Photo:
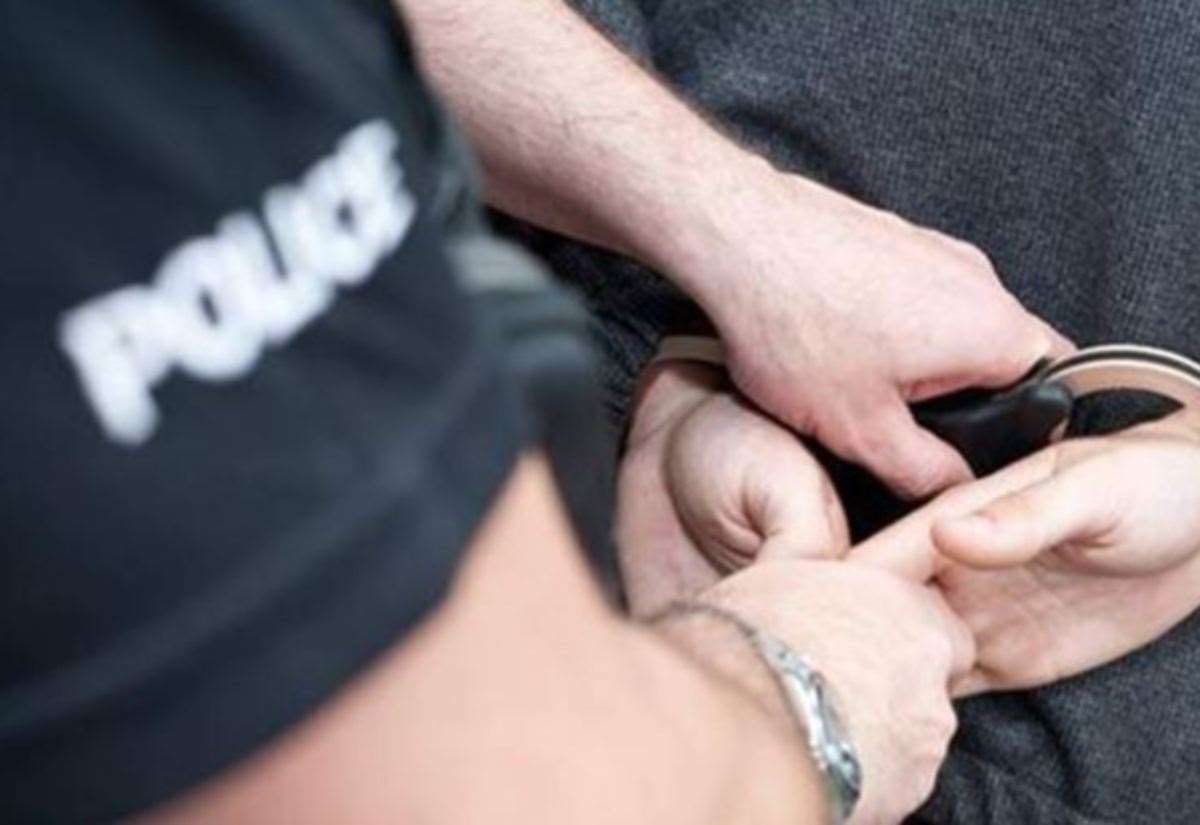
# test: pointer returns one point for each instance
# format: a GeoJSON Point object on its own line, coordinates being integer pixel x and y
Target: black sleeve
{"type": "Point", "coordinates": [630, 305]}
{"type": "Point", "coordinates": [250, 415]}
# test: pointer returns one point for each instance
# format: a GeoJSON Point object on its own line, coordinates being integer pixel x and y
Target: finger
{"type": "Point", "coordinates": [1005, 367]}
{"type": "Point", "coordinates": [911, 461]}
{"type": "Point", "coordinates": [1059, 344]}
{"type": "Point", "coordinates": [963, 651]}
{"type": "Point", "coordinates": [764, 488]}
{"type": "Point", "coordinates": [814, 542]}
{"type": "Point", "coordinates": [820, 543]}
{"type": "Point", "coordinates": [972, 683]}
{"type": "Point", "coordinates": [906, 548]}
{"type": "Point", "coordinates": [910, 555]}
{"type": "Point", "coordinates": [1020, 526]}
{"type": "Point", "coordinates": [998, 369]}
{"type": "Point", "coordinates": [801, 517]}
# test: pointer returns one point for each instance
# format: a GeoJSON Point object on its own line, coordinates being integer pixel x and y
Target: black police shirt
{"type": "Point", "coordinates": [248, 418]}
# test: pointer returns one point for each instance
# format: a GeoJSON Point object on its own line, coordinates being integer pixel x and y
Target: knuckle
{"type": "Point", "coordinates": [872, 439]}
{"type": "Point", "coordinates": [1007, 364]}
{"type": "Point", "coordinates": [839, 429]}
{"type": "Point", "coordinates": [976, 257]}
{"type": "Point", "coordinates": [939, 645]}
{"type": "Point", "coordinates": [945, 724]}
{"type": "Point", "coordinates": [891, 221]}
{"type": "Point", "coordinates": [1034, 346]}
{"type": "Point", "coordinates": [923, 784]}
{"type": "Point", "coordinates": [879, 423]}
{"type": "Point", "coordinates": [976, 261]}
{"type": "Point", "coordinates": [923, 477]}
{"type": "Point", "coordinates": [935, 734]}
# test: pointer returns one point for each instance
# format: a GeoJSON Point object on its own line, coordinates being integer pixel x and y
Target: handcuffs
{"type": "Point", "coordinates": [993, 428]}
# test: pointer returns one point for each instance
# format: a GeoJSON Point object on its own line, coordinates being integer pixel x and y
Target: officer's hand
{"type": "Point", "coordinates": [835, 315]}
{"type": "Point", "coordinates": [888, 646]}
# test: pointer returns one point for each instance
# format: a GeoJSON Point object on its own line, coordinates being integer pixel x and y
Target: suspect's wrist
{"type": "Point", "coordinates": [667, 391]}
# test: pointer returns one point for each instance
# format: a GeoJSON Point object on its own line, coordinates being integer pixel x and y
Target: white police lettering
{"type": "Point", "coordinates": [217, 301]}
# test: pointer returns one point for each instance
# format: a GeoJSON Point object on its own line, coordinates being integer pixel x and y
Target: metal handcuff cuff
{"type": "Point", "coordinates": [993, 428]}
{"type": "Point", "coordinates": [990, 429]}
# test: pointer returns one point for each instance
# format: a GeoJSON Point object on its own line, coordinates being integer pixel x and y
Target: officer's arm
{"type": "Point", "coordinates": [525, 699]}
{"type": "Point", "coordinates": [573, 134]}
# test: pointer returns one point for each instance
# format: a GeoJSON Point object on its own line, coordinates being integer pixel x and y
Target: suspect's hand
{"type": "Point", "coordinates": [1070, 558]}
{"type": "Point", "coordinates": [706, 471]}
{"type": "Point", "coordinates": [706, 482]}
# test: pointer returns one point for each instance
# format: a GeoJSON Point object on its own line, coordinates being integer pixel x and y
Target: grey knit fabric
{"type": "Point", "coordinates": [1064, 139]}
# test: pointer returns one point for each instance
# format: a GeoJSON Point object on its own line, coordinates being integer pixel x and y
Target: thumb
{"type": "Point", "coordinates": [901, 551]}
{"type": "Point", "coordinates": [913, 462]}
{"type": "Point", "coordinates": [1058, 344]}
{"type": "Point", "coordinates": [798, 512]}
{"type": "Point", "coordinates": [1019, 526]}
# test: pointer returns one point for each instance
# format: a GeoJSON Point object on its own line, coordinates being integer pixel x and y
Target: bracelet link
{"type": "Point", "coordinates": [810, 701]}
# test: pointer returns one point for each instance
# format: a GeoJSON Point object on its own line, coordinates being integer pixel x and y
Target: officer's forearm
{"type": "Point", "coordinates": [573, 134]}
{"type": "Point", "coordinates": [529, 700]}
{"type": "Point", "coordinates": [525, 699]}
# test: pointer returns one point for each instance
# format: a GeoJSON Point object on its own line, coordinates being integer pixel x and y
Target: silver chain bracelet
{"type": "Point", "coordinates": [809, 699]}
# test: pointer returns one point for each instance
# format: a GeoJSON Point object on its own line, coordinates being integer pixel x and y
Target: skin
{"type": "Point", "coordinates": [1059, 563]}
{"type": "Point", "coordinates": [1069, 559]}
{"type": "Point", "coordinates": [771, 502]}
{"type": "Point", "coordinates": [705, 482]}
{"type": "Point", "coordinates": [817, 297]}
{"type": "Point", "coordinates": [525, 698]}
{"type": "Point", "coordinates": [890, 681]}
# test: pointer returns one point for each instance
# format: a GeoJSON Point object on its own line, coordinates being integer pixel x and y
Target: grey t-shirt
{"type": "Point", "coordinates": [1064, 140]}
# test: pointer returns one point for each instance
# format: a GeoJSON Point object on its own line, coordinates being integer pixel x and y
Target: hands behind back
{"type": "Point", "coordinates": [836, 315]}
{"type": "Point", "coordinates": [705, 482]}
{"type": "Point", "coordinates": [703, 470]}
{"type": "Point", "coordinates": [1068, 559]}
{"type": "Point", "coordinates": [1060, 563]}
